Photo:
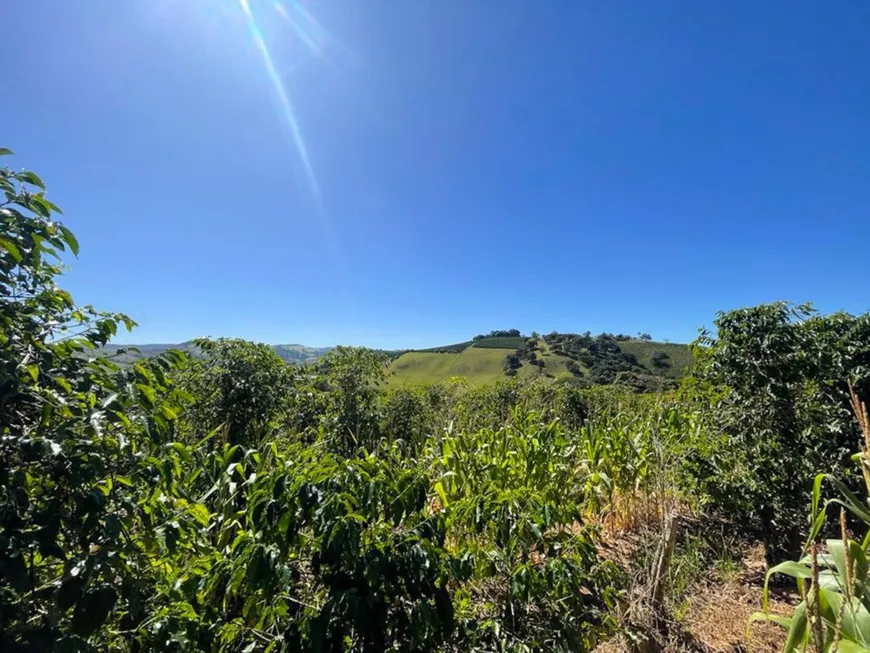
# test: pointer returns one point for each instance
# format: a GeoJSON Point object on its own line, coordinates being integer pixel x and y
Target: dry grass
{"type": "Point", "coordinates": [717, 615]}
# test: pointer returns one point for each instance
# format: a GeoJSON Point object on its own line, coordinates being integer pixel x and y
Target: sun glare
{"type": "Point", "coordinates": [315, 38]}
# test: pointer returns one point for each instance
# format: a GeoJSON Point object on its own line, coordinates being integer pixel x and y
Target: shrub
{"type": "Point", "coordinates": [501, 342]}
{"type": "Point", "coordinates": [407, 417]}
{"type": "Point", "coordinates": [240, 387]}
{"type": "Point", "coordinates": [350, 379]}
{"type": "Point", "coordinates": [777, 373]}
{"type": "Point", "coordinates": [833, 614]}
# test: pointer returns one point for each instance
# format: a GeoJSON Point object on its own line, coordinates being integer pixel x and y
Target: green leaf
{"type": "Point", "coordinates": [10, 247]}
{"type": "Point", "coordinates": [167, 412]}
{"type": "Point", "coordinates": [39, 205]}
{"type": "Point", "coordinates": [70, 240]}
{"type": "Point", "coordinates": [200, 513]}
{"type": "Point", "coordinates": [146, 392]}
{"type": "Point", "coordinates": [5, 151]}
{"type": "Point", "coordinates": [798, 630]}
{"type": "Point", "coordinates": [793, 569]}
{"type": "Point", "coordinates": [785, 622]}
{"type": "Point", "coordinates": [31, 178]}
{"type": "Point", "coordinates": [33, 370]}
{"type": "Point", "coordinates": [439, 488]}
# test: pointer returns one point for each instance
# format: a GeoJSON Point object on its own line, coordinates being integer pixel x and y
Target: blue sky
{"type": "Point", "coordinates": [569, 165]}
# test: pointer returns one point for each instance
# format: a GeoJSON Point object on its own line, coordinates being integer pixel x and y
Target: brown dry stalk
{"type": "Point", "coordinates": [861, 414]}
{"type": "Point", "coordinates": [814, 612]}
{"type": "Point", "coordinates": [847, 583]}
{"type": "Point", "coordinates": [849, 572]}
{"type": "Point", "coordinates": [860, 410]}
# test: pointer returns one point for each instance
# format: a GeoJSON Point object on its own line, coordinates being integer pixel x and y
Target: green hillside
{"type": "Point", "coordinates": [477, 364]}
{"type": "Point", "coordinates": [679, 357]}
{"type": "Point", "coordinates": [482, 362]}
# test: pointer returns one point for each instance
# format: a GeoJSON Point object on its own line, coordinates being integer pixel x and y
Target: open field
{"type": "Point", "coordinates": [478, 365]}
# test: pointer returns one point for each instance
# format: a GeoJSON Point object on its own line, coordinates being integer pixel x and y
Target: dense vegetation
{"type": "Point", "coordinates": [232, 502]}
{"type": "Point", "coordinates": [501, 342]}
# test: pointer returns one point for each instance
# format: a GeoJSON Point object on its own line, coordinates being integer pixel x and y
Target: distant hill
{"type": "Point", "coordinates": [595, 359]}
{"type": "Point", "coordinates": [290, 353]}
{"type": "Point", "coordinates": [500, 355]}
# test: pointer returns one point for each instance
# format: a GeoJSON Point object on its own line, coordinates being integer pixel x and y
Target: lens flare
{"type": "Point", "coordinates": [319, 41]}
{"type": "Point", "coordinates": [283, 98]}
{"type": "Point", "coordinates": [308, 40]}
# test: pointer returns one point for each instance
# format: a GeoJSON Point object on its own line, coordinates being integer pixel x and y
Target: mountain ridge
{"type": "Point", "coordinates": [291, 353]}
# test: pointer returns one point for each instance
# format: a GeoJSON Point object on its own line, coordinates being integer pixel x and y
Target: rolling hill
{"type": "Point", "coordinates": [555, 356]}
{"type": "Point", "coordinates": [290, 353]}
{"type": "Point", "coordinates": [485, 359]}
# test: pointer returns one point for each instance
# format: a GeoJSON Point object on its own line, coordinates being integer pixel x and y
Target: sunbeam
{"type": "Point", "coordinates": [319, 40]}
{"type": "Point", "coordinates": [283, 97]}
{"type": "Point", "coordinates": [309, 42]}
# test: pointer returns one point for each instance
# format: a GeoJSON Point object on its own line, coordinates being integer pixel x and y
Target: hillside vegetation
{"type": "Point", "coordinates": [487, 359]}
{"type": "Point", "coordinates": [231, 502]}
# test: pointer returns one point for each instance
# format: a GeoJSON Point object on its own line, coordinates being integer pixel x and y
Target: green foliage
{"type": "Point", "coordinates": [127, 524]}
{"type": "Point", "coordinates": [501, 342]}
{"type": "Point", "coordinates": [834, 584]}
{"type": "Point", "coordinates": [78, 474]}
{"type": "Point", "coordinates": [499, 333]}
{"type": "Point", "coordinates": [779, 374]}
{"type": "Point", "coordinates": [601, 355]}
{"type": "Point", "coordinates": [409, 416]}
{"type": "Point", "coordinates": [241, 387]}
{"type": "Point", "coordinates": [680, 357]}
{"type": "Point", "coordinates": [351, 380]}
{"type": "Point", "coordinates": [512, 496]}
{"type": "Point", "coordinates": [228, 501]}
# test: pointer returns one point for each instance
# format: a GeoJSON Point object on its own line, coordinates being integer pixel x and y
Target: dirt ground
{"type": "Point", "coordinates": [716, 617]}
{"type": "Point", "coordinates": [719, 613]}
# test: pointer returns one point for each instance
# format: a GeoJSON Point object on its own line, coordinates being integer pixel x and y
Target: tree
{"type": "Point", "coordinates": [241, 387]}
{"type": "Point", "coordinates": [782, 371]}
{"type": "Point", "coordinates": [352, 379]}
{"type": "Point", "coordinates": [76, 428]}
{"type": "Point", "coordinates": [644, 336]}
{"type": "Point", "coordinates": [660, 359]}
